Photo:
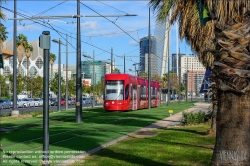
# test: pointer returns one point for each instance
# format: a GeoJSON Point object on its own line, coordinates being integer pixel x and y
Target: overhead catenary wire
{"type": "Point", "coordinates": [50, 8]}
{"type": "Point", "coordinates": [111, 6]}
{"type": "Point", "coordinates": [110, 21]}
{"type": "Point", "coordinates": [51, 27]}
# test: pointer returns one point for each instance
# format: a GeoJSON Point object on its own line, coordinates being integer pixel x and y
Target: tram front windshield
{"type": "Point", "coordinates": [114, 90]}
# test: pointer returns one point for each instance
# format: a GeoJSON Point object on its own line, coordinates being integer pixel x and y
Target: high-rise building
{"type": "Point", "coordinates": [100, 69]}
{"type": "Point", "coordinates": [188, 63]}
{"type": "Point", "coordinates": [162, 30]}
{"type": "Point", "coordinates": [192, 72]}
{"type": "Point", "coordinates": [175, 63]}
{"type": "Point", "coordinates": [144, 54]}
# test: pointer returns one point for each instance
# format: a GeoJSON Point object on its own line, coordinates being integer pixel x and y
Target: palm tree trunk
{"type": "Point", "coordinates": [233, 127]}
{"type": "Point", "coordinates": [1, 46]}
{"type": "Point", "coordinates": [214, 109]}
{"type": "Point", "coordinates": [27, 66]}
{"type": "Point", "coordinates": [19, 68]}
{"type": "Point", "coordinates": [51, 71]}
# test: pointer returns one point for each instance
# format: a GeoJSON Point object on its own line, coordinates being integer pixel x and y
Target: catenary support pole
{"type": "Point", "coordinates": [78, 69]}
{"type": "Point", "coordinates": [93, 101]}
{"type": "Point", "coordinates": [59, 77]}
{"type": "Point", "coordinates": [14, 61]}
{"type": "Point", "coordinates": [67, 79]}
{"type": "Point", "coordinates": [149, 62]}
{"type": "Point", "coordinates": [44, 43]}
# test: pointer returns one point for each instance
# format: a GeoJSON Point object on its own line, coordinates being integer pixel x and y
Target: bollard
{"type": "Point", "coordinates": [170, 112]}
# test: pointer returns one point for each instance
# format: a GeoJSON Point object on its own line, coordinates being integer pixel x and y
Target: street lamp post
{"type": "Point", "coordinates": [59, 74]}
{"type": "Point", "coordinates": [67, 90]}
{"type": "Point", "coordinates": [93, 101]}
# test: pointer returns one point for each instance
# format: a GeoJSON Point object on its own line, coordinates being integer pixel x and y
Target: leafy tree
{"type": "Point", "coordinates": [156, 77]}
{"type": "Point", "coordinates": [21, 83]}
{"type": "Point", "coordinates": [35, 86]}
{"type": "Point", "coordinates": [99, 87]}
{"type": "Point", "coordinates": [72, 86]}
{"type": "Point", "coordinates": [116, 70]}
{"type": "Point", "coordinates": [4, 87]}
{"type": "Point", "coordinates": [54, 84]}
{"type": "Point", "coordinates": [86, 89]}
{"type": "Point", "coordinates": [143, 75]}
{"type": "Point", "coordinates": [183, 88]}
{"type": "Point", "coordinates": [220, 44]}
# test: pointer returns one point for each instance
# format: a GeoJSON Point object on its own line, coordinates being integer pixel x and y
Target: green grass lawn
{"type": "Point", "coordinates": [68, 138]}
{"type": "Point", "coordinates": [178, 146]}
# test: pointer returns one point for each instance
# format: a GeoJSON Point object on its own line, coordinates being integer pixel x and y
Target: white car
{"type": "Point", "coordinates": [26, 102]}
{"type": "Point", "coordinates": [38, 102]}
{"type": "Point", "coordinates": [31, 102]}
{"type": "Point", "coordinates": [20, 103]}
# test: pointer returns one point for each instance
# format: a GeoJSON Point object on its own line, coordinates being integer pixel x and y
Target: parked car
{"type": "Point", "coordinates": [63, 101]}
{"type": "Point", "coordinates": [20, 103]}
{"type": "Point", "coordinates": [38, 102]}
{"type": "Point", "coordinates": [4, 103]}
{"type": "Point", "coordinates": [53, 101]}
{"type": "Point", "coordinates": [31, 102]}
{"type": "Point", "coordinates": [88, 100]}
{"type": "Point", "coordinates": [94, 100]}
{"type": "Point", "coordinates": [71, 101]}
{"type": "Point", "coordinates": [84, 101]}
{"type": "Point", "coordinates": [25, 102]}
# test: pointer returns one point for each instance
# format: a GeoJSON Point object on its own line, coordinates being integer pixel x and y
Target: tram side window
{"type": "Point", "coordinates": [143, 92]}
{"type": "Point", "coordinates": [126, 91]}
{"type": "Point", "coordinates": [139, 91]}
{"type": "Point", "coordinates": [159, 94]}
{"type": "Point", "coordinates": [153, 93]}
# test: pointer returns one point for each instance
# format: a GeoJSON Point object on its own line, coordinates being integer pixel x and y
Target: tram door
{"type": "Point", "coordinates": [134, 98]}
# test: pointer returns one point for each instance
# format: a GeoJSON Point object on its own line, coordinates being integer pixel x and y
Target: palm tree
{"type": "Point", "coordinates": [2, 15]}
{"type": "Point", "coordinates": [28, 50]}
{"type": "Point", "coordinates": [52, 58]}
{"type": "Point", "coordinates": [21, 43]}
{"type": "Point", "coordinates": [3, 37]}
{"type": "Point", "coordinates": [222, 45]}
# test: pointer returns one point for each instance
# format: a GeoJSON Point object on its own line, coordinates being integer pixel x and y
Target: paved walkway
{"type": "Point", "coordinates": [164, 123]}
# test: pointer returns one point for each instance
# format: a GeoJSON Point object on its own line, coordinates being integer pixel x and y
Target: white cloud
{"type": "Point", "coordinates": [90, 25]}
{"type": "Point", "coordinates": [27, 28]}
{"type": "Point", "coordinates": [133, 43]}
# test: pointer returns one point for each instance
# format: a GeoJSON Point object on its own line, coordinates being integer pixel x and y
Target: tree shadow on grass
{"type": "Point", "coordinates": [132, 159]}
{"type": "Point", "coordinates": [189, 131]}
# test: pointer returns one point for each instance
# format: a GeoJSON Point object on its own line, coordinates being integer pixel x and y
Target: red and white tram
{"type": "Point", "coordinates": [125, 92]}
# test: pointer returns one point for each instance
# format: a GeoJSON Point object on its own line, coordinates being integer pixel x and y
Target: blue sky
{"type": "Point", "coordinates": [97, 33]}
